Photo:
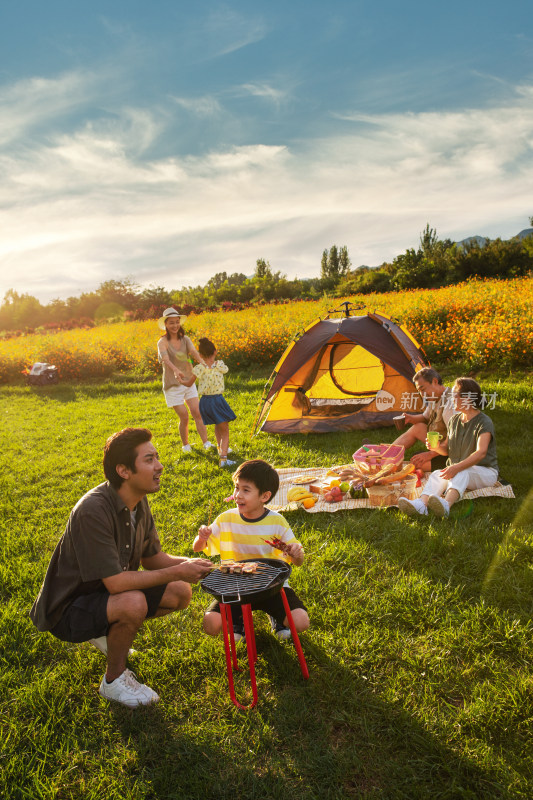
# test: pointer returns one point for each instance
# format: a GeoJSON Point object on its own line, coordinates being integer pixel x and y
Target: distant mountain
{"type": "Point", "coordinates": [524, 234]}
{"type": "Point", "coordinates": [481, 241]}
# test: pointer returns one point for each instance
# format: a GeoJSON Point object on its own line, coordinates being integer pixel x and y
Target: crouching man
{"type": "Point", "coordinates": [93, 590]}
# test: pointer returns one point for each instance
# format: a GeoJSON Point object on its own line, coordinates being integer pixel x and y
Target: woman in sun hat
{"type": "Point", "coordinates": [174, 349]}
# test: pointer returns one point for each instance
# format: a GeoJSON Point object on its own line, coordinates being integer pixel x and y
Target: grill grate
{"type": "Point", "coordinates": [228, 588]}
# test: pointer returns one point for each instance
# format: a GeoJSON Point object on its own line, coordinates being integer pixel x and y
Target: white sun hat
{"type": "Point", "coordinates": [167, 313]}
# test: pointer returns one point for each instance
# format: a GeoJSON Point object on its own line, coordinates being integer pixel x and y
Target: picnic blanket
{"type": "Point", "coordinates": [285, 482]}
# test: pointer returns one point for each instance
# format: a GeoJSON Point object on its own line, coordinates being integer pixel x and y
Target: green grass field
{"type": "Point", "coordinates": [420, 650]}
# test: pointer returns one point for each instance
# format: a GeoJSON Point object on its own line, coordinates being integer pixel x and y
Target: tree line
{"type": "Point", "coordinates": [441, 262]}
{"type": "Point", "coordinates": [434, 263]}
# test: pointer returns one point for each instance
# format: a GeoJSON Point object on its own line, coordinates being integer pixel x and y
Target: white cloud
{"type": "Point", "coordinates": [227, 31]}
{"type": "Point", "coordinates": [264, 90]}
{"type": "Point", "coordinates": [33, 102]}
{"type": "Point", "coordinates": [86, 207]}
{"type": "Point", "coordinates": [207, 106]}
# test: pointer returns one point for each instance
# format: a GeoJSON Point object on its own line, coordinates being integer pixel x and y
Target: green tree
{"type": "Point", "coordinates": [366, 280]}
{"type": "Point", "coordinates": [217, 280]}
{"type": "Point", "coordinates": [237, 279]}
{"type": "Point", "coordinates": [497, 258]}
{"type": "Point", "coordinates": [20, 311]}
{"type": "Point", "coordinates": [426, 267]}
{"type": "Point", "coordinates": [124, 292]}
{"type": "Point", "coordinates": [57, 311]}
{"type": "Point", "coordinates": [154, 296]}
{"type": "Point", "coordinates": [263, 270]}
{"type": "Point", "coordinates": [324, 265]}
{"type": "Point", "coordinates": [334, 264]}
{"type": "Point", "coordinates": [344, 261]}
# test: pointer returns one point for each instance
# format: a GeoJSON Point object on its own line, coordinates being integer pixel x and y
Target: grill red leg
{"type": "Point", "coordinates": [250, 633]}
{"type": "Point", "coordinates": [229, 650]}
{"type": "Point", "coordinates": [229, 618]}
{"type": "Point", "coordinates": [251, 648]}
{"type": "Point", "coordinates": [295, 638]}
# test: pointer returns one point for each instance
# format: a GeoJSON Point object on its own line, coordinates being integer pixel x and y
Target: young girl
{"type": "Point", "coordinates": [174, 349]}
{"type": "Point", "coordinates": [213, 408]}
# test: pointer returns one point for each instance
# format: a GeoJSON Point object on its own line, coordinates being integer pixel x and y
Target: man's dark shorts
{"type": "Point", "coordinates": [86, 617]}
{"type": "Point", "coordinates": [272, 605]}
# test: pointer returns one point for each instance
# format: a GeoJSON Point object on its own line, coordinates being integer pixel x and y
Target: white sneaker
{"type": "Point", "coordinates": [439, 506]}
{"type": "Point", "coordinates": [127, 690]}
{"type": "Point", "coordinates": [412, 507]}
{"type": "Point", "coordinates": [101, 644]}
{"type": "Point", "coordinates": [186, 448]}
{"type": "Point", "coordinates": [238, 632]}
{"type": "Point", "coordinates": [208, 445]}
{"type": "Point", "coordinates": [279, 629]}
{"type": "Point", "coordinates": [227, 462]}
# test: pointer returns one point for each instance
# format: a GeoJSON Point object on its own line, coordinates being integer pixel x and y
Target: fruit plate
{"type": "Point", "coordinates": [303, 480]}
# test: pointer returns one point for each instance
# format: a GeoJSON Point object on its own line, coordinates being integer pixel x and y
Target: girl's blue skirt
{"type": "Point", "coordinates": [215, 409]}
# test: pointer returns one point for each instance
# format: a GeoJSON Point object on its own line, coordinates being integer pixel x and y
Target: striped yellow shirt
{"type": "Point", "coordinates": [236, 538]}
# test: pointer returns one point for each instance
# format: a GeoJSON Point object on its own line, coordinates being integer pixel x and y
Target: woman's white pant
{"type": "Point", "coordinates": [471, 478]}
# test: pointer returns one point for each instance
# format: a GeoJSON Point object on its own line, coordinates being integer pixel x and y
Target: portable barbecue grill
{"type": "Point", "coordinates": [247, 587]}
{"type": "Point", "coordinates": [243, 589]}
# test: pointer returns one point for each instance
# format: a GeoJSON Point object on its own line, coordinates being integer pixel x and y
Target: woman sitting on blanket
{"type": "Point", "coordinates": [471, 451]}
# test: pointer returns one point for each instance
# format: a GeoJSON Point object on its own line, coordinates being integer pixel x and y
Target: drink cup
{"type": "Point", "coordinates": [399, 422]}
{"type": "Point", "coordinates": [434, 438]}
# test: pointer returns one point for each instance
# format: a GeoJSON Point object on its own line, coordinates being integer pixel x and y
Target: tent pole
{"type": "Point", "coordinates": [258, 413]}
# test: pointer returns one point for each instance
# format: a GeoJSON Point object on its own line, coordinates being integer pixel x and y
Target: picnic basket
{"type": "Point", "coordinates": [371, 458]}
{"type": "Point", "coordinates": [389, 494]}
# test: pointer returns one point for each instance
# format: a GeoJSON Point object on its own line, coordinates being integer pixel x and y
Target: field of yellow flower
{"type": "Point", "coordinates": [478, 323]}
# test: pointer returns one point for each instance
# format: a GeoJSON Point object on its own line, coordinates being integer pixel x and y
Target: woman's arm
{"type": "Point", "coordinates": [470, 461]}
{"type": "Point", "coordinates": [411, 419]}
{"type": "Point", "coordinates": [192, 351]}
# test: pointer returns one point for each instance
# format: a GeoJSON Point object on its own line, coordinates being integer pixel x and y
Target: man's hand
{"type": "Point", "coordinates": [419, 459]}
{"type": "Point", "coordinates": [193, 570]}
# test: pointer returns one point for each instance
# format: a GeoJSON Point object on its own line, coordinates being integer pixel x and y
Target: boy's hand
{"type": "Point", "coordinates": [204, 532]}
{"type": "Point", "coordinates": [296, 552]}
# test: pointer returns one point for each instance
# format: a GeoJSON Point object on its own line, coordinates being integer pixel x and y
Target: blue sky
{"type": "Point", "coordinates": [168, 141]}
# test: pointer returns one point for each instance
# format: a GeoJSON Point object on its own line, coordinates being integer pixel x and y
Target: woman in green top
{"type": "Point", "coordinates": [471, 451]}
{"type": "Point", "coordinates": [174, 350]}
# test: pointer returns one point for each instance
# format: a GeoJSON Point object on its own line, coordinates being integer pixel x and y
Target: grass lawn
{"type": "Point", "coordinates": [420, 650]}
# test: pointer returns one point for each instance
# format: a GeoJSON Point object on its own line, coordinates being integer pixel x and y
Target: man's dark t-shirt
{"type": "Point", "coordinates": [97, 543]}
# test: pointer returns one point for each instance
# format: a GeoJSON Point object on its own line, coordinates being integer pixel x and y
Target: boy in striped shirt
{"type": "Point", "coordinates": [239, 534]}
